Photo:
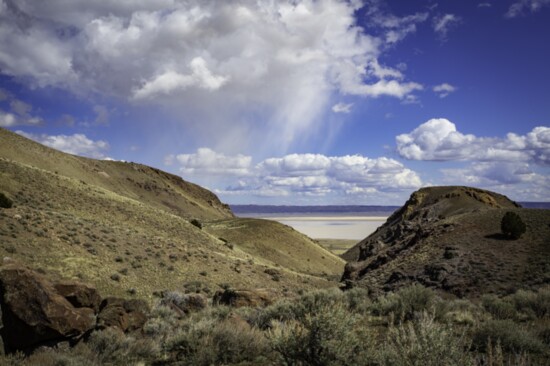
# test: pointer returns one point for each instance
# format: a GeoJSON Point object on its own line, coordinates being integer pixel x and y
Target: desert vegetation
{"type": "Point", "coordinates": [512, 225]}
{"type": "Point", "coordinates": [412, 326]}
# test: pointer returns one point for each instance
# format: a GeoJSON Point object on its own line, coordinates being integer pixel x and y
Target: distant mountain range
{"type": "Point", "coordinates": [338, 209]}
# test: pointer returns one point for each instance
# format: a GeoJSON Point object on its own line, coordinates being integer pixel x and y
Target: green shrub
{"type": "Point", "coordinates": [510, 335]}
{"type": "Point", "coordinates": [329, 336]}
{"type": "Point", "coordinates": [5, 202]}
{"type": "Point", "coordinates": [512, 225]}
{"type": "Point", "coordinates": [498, 308]}
{"type": "Point", "coordinates": [424, 342]}
{"type": "Point", "coordinates": [209, 342]}
{"type": "Point", "coordinates": [531, 303]}
{"type": "Point", "coordinates": [406, 302]}
{"type": "Point", "coordinates": [196, 223]}
{"type": "Point", "coordinates": [113, 347]}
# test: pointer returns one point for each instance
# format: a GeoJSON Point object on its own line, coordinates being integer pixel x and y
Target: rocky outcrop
{"type": "Point", "coordinates": [184, 304]}
{"type": "Point", "coordinates": [240, 298]}
{"type": "Point", "coordinates": [410, 246]}
{"type": "Point", "coordinates": [34, 312]}
{"type": "Point", "coordinates": [125, 315]}
{"type": "Point", "coordinates": [37, 311]}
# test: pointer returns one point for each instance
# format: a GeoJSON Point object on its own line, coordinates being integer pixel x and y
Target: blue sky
{"type": "Point", "coordinates": [290, 102]}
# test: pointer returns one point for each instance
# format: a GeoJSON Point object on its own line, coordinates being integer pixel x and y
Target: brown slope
{"type": "Point", "coordinates": [448, 238]}
{"type": "Point", "coordinates": [104, 228]}
{"type": "Point", "coordinates": [135, 181]}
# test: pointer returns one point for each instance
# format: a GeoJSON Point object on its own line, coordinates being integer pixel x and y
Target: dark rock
{"type": "Point", "coordinates": [79, 294]}
{"type": "Point", "coordinates": [34, 313]}
{"type": "Point", "coordinates": [240, 298]}
{"type": "Point", "coordinates": [125, 315]}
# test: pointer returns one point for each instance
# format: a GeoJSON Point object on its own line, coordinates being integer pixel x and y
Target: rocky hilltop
{"type": "Point", "coordinates": [449, 238]}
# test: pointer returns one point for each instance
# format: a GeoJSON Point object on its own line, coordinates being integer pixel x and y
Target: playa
{"type": "Point", "coordinates": [333, 227]}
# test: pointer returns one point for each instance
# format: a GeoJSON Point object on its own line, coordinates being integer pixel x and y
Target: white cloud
{"type": "Point", "coordinates": [515, 179]}
{"type": "Point", "coordinates": [443, 90]}
{"type": "Point", "coordinates": [342, 107]}
{"type": "Point", "coordinates": [77, 144]}
{"type": "Point", "coordinates": [520, 7]}
{"type": "Point", "coordinates": [20, 112]}
{"type": "Point", "coordinates": [210, 61]}
{"type": "Point", "coordinates": [442, 24]}
{"type": "Point", "coordinates": [170, 81]}
{"type": "Point", "coordinates": [300, 174]}
{"type": "Point", "coordinates": [208, 162]}
{"type": "Point", "coordinates": [7, 119]}
{"type": "Point", "coordinates": [484, 5]}
{"type": "Point", "coordinates": [438, 139]}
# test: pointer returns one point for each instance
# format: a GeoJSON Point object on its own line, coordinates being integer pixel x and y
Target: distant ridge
{"type": "Point", "coordinates": [270, 209]}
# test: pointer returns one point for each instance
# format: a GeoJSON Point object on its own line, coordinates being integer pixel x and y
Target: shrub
{"type": "Point", "coordinates": [532, 303]}
{"type": "Point", "coordinates": [406, 302]}
{"type": "Point", "coordinates": [196, 223]}
{"type": "Point", "coordinates": [424, 342]}
{"type": "Point", "coordinates": [5, 202]}
{"type": "Point", "coordinates": [329, 336]}
{"type": "Point", "coordinates": [498, 308]}
{"type": "Point", "coordinates": [208, 342]}
{"type": "Point", "coordinates": [511, 337]}
{"type": "Point", "coordinates": [512, 225]}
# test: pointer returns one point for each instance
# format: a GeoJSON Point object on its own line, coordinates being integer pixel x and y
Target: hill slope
{"type": "Point", "coordinates": [449, 238]}
{"type": "Point", "coordinates": [125, 227]}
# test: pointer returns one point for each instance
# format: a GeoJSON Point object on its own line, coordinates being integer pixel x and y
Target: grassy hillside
{"type": "Point", "coordinates": [277, 244]}
{"type": "Point", "coordinates": [126, 228]}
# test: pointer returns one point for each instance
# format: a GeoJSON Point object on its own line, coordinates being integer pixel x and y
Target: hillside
{"type": "Point", "coordinates": [126, 228]}
{"type": "Point", "coordinates": [449, 238]}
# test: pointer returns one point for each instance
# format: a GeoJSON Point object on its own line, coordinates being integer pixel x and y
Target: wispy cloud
{"type": "Point", "coordinates": [442, 24]}
{"type": "Point", "coordinates": [20, 113]}
{"type": "Point", "coordinates": [342, 107]}
{"type": "Point", "coordinates": [521, 7]}
{"type": "Point", "coordinates": [443, 90]}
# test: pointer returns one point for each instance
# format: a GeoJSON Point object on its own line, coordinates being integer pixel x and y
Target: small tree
{"type": "Point", "coordinates": [5, 202]}
{"type": "Point", "coordinates": [512, 225]}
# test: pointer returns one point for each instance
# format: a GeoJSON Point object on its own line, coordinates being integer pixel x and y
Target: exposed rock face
{"type": "Point", "coordinates": [240, 298]}
{"type": "Point", "coordinates": [34, 312]}
{"type": "Point", "coordinates": [126, 315]}
{"type": "Point", "coordinates": [407, 247]}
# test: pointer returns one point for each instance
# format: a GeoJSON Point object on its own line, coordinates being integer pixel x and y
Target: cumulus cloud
{"type": "Point", "coordinates": [206, 161]}
{"type": "Point", "coordinates": [515, 179]}
{"type": "Point", "coordinates": [301, 174]}
{"type": "Point", "coordinates": [443, 90]}
{"type": "Point", "coordinates": [442, 24]}
{"type": "Point", "coordinates": [521, 7]}
{"type": "Point", "coordinates": [438, 139]}
{"type": "Point", "coordinates": [77, 144]}
{"type": "Point", "coordinates": [280, 62]}
{"type": "Point", "coordinates": [342, 107]}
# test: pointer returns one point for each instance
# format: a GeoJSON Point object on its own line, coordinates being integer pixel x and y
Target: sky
{"type": "Point", "coordinates": [303, 102]}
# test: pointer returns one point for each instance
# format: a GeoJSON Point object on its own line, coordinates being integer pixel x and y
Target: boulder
{"type": "Point", "coordinates": [34, 313]}
{"type": "Point", "coordinates": [79, 294]}
{"type": "Point", "coordinates": [125, 315]}
{"type": "Point", "coordinates": [240, 298]}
